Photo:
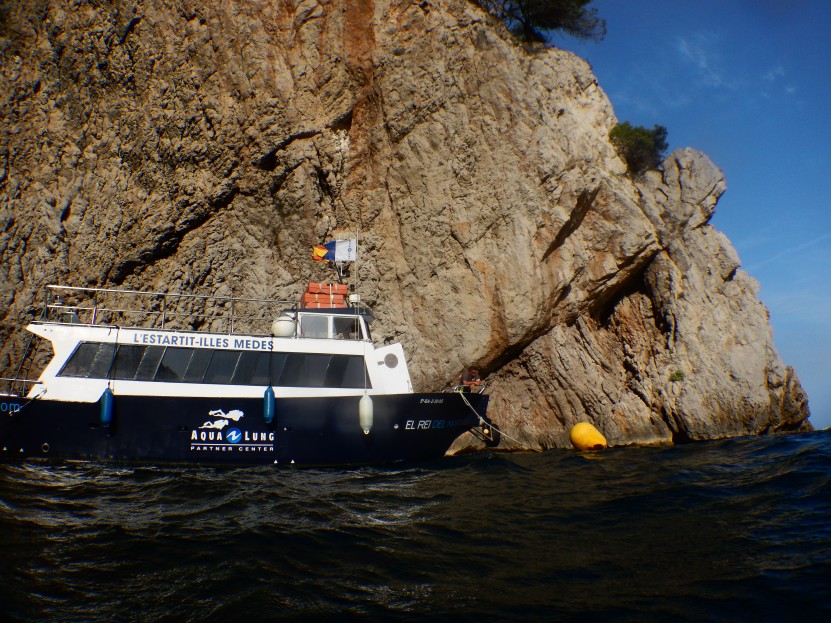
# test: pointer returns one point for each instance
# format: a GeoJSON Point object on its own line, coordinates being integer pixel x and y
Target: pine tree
{"type": "Point", "coordinates": [531, 19]}
{"type": "Point", "coordinates": [640, 148]}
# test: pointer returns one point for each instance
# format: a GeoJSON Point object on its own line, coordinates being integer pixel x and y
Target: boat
{"type": "Point", "coordinates": [154, 377]}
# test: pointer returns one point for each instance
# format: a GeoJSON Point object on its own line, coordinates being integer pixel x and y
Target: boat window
{"type": "Point", "coordinates": [314, 326]}
{"type": "Point", "coordinates": [354, 375]}
{"type": "Point", "coordinates": [314, 371]}
{"type": "Point", "coordinates": [261, 374]}
{"type": "Point", "coordinates": [147, 368]}
{"type": "Point", "coordinates": [346, 371]}
{"type": "Point", "coordinates": [204, 365]}
{"type": "Point", "coordinates": [80, 361]}
{"type": "Point", "coordinates": [292, 370]}
{"type": "Point", "coordinates": [334, 371]}
{"type": "Point", "coordinates": [174, 364]}
{"type": "Point", "coordinates": [103, 361]}
{"type": "Point", "coordinates": [347, 328]}
{"type": "Point", "coordinates": [278, 362]}
{"type": "Point", "coordinates": [304, 370]}
{"type": "Point", "coordinates": [222, 367]}
{"type": "Point", "coordinates": [323, 370]}
{"type": "Point", "coordinates": [90, 360]}
{"type": "Point", "coordinates": [198, 365]}
{"type": "Point", "coordinates": [127, 361]}
{"type": "Point", "coordinates": [249, 361]}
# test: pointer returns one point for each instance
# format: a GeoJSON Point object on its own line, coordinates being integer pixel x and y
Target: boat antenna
{"type": "Point", "coordinates": [358, 257]}
{"type": "Point", "coordinates": [365, 406]}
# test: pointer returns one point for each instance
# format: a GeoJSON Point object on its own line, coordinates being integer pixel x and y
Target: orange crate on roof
{"type": "Point", "coordinates": [317, 305]}
{"type": "Point", "coordinates": [327, 288]}
{"type": "Point", "coordinates": [330, 299]}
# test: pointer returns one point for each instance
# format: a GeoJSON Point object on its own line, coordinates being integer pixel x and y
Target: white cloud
{"type": "Point", "coordinates": [775, 73]}
{"type": "Point", "coordinates": [777, 77]}
{"type": "Point", "coordinates": [699, 51]}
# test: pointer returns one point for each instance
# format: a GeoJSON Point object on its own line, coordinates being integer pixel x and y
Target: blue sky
{"type": "Point", "coordinates": [746, 82]}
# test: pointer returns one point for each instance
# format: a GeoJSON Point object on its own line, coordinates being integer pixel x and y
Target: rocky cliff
{"type": "Point", "coordinates": [207, 146]}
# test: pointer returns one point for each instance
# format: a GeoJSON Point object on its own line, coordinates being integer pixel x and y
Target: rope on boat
{"type": "Point", "coordinates": [30, 400]}
{"type": "Point", "coordinates": [483, 421]}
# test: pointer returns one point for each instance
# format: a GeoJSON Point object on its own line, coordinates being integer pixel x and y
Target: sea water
{"type": "Point", "coordinates": [733, 530]}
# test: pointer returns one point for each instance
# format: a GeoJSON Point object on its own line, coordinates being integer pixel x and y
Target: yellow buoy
{"type": "Point", "coordinates": [584, 436]}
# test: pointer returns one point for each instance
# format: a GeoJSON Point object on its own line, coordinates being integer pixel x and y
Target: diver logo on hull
{"type": "Point", "coordinates": [212, 435]}
{"type": "Point", "coordinates": [223, 418]}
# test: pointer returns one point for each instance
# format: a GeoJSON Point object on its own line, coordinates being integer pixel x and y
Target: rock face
{"type": "Point", "coordinates": [206, 147]}
{"type": "Point", "coordinates": [683, 352]}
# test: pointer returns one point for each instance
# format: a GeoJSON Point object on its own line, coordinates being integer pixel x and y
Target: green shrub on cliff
{"type": "Point", "coordinates": [640, 148]}
{"type": "Point", "coordinates": [678, 375]}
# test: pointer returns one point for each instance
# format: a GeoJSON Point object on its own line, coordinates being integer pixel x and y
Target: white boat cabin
{"type": "Point", "coordinates": [302, 352]}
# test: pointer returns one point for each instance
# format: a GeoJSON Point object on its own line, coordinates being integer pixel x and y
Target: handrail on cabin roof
{"type": "Point", "coordinates": [171, 294]}
{"type": "Point", "coordinates": [125, 304]}
{"type": "Point", "coordinates": [215, 310]}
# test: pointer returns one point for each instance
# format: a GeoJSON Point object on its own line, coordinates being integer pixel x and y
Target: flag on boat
{"type": "Point", "coordinates": [336, 251]}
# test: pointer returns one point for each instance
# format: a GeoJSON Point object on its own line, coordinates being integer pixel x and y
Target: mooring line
{"type": "Point", "coordinates": [484, 421]}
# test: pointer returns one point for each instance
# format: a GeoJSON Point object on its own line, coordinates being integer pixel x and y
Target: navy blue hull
{"type": "Point", "coordinates": [304, 431]}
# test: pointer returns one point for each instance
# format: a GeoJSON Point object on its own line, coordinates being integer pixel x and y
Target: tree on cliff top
{"type": "Point", "coordinates": [642, 149]}
{"type": "Point", "coordinates": [530, 19]}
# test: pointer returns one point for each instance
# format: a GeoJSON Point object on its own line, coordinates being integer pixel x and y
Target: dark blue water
{"type": "Point", "coordinates": [734, 530]}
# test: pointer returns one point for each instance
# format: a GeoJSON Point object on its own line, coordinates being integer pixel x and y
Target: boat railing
{"type": "Point", "coordinates": [16, 387]}
{"type": "Point", "coordinates": [162, 310]}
